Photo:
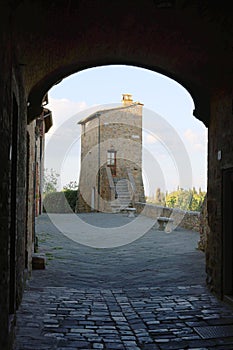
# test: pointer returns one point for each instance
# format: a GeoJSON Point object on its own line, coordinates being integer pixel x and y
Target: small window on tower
{"type": "Point", "coordinates": [111, 161]}
{"type": "Point", "coordinates": [111, 157]}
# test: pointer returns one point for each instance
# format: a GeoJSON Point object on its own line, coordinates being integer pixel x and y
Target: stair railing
{"type": "Point", "coordinates": [111, 184]}
{"type": "Point", "coordinates": [132, 188]}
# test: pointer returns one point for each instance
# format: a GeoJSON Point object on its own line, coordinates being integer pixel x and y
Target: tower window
{"type": "Point", "coordinates": [111, 161]}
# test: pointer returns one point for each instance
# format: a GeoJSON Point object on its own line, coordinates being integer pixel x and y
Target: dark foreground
{"type": "Point", "coordinates": [149, 294]}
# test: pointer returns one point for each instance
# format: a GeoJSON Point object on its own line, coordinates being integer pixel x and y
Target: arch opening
{"type": "Point", "coordinates": [63, 129]}
{"type": "Point", "coordinates": [39, 91]}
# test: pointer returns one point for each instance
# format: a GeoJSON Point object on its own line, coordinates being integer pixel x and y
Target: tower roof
{"type": "Point", "coordinates": [127, 102]}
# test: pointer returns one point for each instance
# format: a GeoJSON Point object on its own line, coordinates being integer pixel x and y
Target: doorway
{"type": "Point", "coordinates": [228, 232]}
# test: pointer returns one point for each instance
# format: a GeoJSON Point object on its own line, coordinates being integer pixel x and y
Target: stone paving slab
{"type": "Point", "coordinates": [149, 294]}
{"type": "Point", "coordinates": [142, 318]}
{"type": "Point", "coordinates": [155, 259]}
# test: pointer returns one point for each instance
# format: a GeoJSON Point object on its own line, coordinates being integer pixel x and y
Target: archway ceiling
{"type": "Point", "coordinates": [190, 41]}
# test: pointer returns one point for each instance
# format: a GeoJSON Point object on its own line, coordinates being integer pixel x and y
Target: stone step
{"type": "Point", "coordinates": [120, 202]}
{"type": "Point", "coordinates": [123, 199]}
{"type": "Point", "coordinates": [122, 188]}
{"type": "Point", "coordinates": [123, 195]}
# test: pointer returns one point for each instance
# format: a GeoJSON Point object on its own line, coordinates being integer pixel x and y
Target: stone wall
{"type": "Point", "coordinates": [219, 159]}
{"type": "Point", "coordinates": [21, 200]}
{"type": "Point", "coordinates": [34, 180]}
{"type": "Point", "coordinates": [105, 191]}
{"type": "Point", "coordinates": [16, 182]}
{"type": "Point", "coordinates": [12, 187]}
{"type": "Point", "coordinates": [204, 227]}
{"type": "Point", "coordinates": [189, 220]}
{"type": "Point", "coordinates": [82, 206]}
{"type": "Point", "coordinates": [30, 193]}
{"type": "Point", "coordinates": [5, 144]}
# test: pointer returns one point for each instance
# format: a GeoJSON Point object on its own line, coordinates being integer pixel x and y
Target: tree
{"type": "Point", "coordinates": [171, 201]}
{"type": "Point", "coordinates": [185, 199]}
{"type": "Point", "coordinates": [158, 197]}
{"type": "Point", "coordinates": [72, 185]}
{"type": "Point", "coordinates": [50, 181]}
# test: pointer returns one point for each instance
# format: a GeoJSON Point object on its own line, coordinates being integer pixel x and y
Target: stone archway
{"type": "Point", "coordinates": [63, 40]}
{"type": "Point", "coordinates": [190, 42]}
{"type": "Point", "coordinates": [187, 42]}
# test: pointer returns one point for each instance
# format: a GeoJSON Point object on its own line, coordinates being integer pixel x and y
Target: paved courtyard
{"type": "Point", "coordinates": [147, 294]}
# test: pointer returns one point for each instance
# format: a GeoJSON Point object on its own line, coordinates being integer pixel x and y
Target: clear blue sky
{"type": "Point", "coordinates": [159, 94]}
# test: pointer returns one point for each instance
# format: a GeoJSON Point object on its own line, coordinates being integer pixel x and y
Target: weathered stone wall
{"type": "Point", "coordinates": [13, 154]}
{"type": "Point", "coordinates": [12, 190]}
{"type": "Point", "coordinates": [34, 181]}
{"type": "Point", "coordinates": [189, 220]}
{"type": "Point", "coordinates": [105, 189]}
{"type": "Point", "coordinates": [220, 139]}
{"type": "Point", "coordinates": [204, 226]}
{"type": "Point", "coordinates": [5, 144]}
{"type": "Point", "coordinates": [82, 206]}
{"type": "Point", "coordinates": [119, 129]}
{"type": "Point", "coordinates": [21, 187]}
{"type": "Point", "coordinates": [30, 193]}
{"type": "Point", "coordinates": [60, 202]}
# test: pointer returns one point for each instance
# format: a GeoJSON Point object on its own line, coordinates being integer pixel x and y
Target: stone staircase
{"type": "Point", "coordinates": [123, 199]}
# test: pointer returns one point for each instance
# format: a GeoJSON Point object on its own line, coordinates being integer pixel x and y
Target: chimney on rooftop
{"type": "Point", "coordinates": [127, 99]}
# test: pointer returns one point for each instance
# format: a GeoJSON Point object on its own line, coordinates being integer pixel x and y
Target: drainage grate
{"type": "Point", "coordinates": [214, 331]}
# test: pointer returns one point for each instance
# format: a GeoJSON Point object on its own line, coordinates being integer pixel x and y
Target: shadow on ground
{"type": "Point", "coordinates": [156, 259]}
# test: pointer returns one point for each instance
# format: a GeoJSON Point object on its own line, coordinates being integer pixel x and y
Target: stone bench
{"type": "Point", "coordinates": [163, 221]}
{"type": "Point", "coordinates": [130, 212]}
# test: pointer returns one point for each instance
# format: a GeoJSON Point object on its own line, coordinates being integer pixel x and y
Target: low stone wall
{"type": "Point", "coordinates": [60, 202]}
{"type": "Point", "coordinates": [204, 226]}
{"type": "Point", "coordinates": [81, 205]}
{"type": "Point", "coordinates": [189, 220]}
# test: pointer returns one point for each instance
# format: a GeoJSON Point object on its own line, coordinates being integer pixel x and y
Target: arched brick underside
{"type": "Point", "coordinates": [199, 95]}
{"type": "Point", "coordinates": [185, 40]}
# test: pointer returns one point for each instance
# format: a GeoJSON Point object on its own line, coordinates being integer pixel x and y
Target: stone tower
{"type": "Point", "coordinates": [111, 158]}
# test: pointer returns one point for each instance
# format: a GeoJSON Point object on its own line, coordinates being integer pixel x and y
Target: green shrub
{"type": "Point", "coordinates": [71, 196]}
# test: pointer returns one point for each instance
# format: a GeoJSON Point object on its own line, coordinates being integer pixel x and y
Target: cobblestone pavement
{"type": "Point", "coordinates": [111, 310]}
{"type": "Point", "coordinates": [154, 260]}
